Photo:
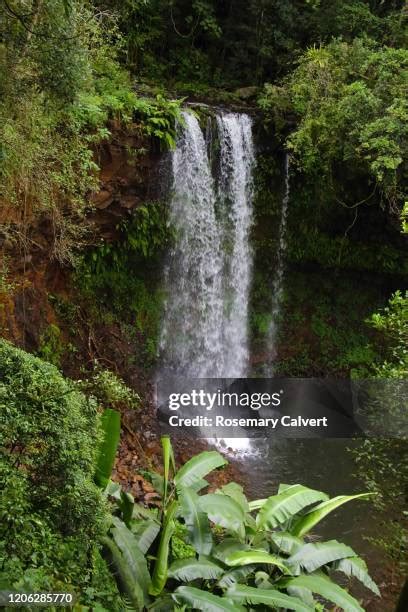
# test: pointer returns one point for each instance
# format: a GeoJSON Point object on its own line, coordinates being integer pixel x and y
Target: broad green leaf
{"type": "Point", "coordinates": [323, 586]}
{"type": "Point", "coordinates": [315, 554]}
{"type": "Point", "coordinates": [126, 504]}
{"type": "Point", "coordinates": [131, 586]}
{"type": "Point", "coordinates": [257, 503]}
{"type": "Point", "coordinates": [165, 603]}
{"type": "Point", "coordinates": [113, 489]}
{"type": "Point", "coordinates": [110, 424]}
{"type": "Point", "coordinates": [159, 577]}
{"type": "Point", "coordinates": [140, 511]}
{"type": "Point", "coordinates": [199, 485]}
{"type": "Point", "coordinates": [245, 557]}
{"type": "Point", "coordinates": [269, 597]}
{"type": "Point", "coordinates": [166, 446]}
{"type": "Point", "coordinates": [223, 511]}
{"type": "Point", "coordinates": [236, 492]}
{"type": "Point", "coordinates": [304, 594]}
{"type": "Point", "coordinates": [197, 467]}
{"type": "Point", "coordinates": [286, 542]}
{"type": "Point", "coordinates": [259, 541]}
{"type": "Point", "coordinates": [196, 521]}
{"type": "Point", "coordinates": [203, 600]}
{"type": "Point", "coordinates": [158, 483]}
{"type": "Point", "coordinates": [133, 556]}
{"type": "Point", "coordinates": [283, 506]}
{"type": "Point", "coordinates": [226, 547]}
{"type": "Point", "coordinates": [282, 487]}
{"type": "Point", "coordinates": [251, 524]}
{"type": "Point", "coordinates": [190, 569]}
{"type": "Point", "coordinates": [355, 566]}
{"type": "Point", "coordinates": [235, 575]}
{"type": "Point", "coordinates": [305, 523]}
{"type": "Point", "coordinates": [145, 533]}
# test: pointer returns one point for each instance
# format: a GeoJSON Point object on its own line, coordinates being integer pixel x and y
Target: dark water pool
{"type": "Point", "coordinates": [326, 465]}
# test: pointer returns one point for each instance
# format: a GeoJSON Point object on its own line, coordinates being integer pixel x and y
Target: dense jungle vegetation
{"type": "Point", "coordinates": [326, 81]}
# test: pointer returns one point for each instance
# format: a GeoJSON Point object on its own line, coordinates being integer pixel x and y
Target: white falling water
{"type": "Point", "coordinates": [235, 194]}
{"type": "Point", "coordinates": [191, 338]}
{"type": "Point", "coordinates": [277, 285]}
{"type": "Point", "coordinates": [207, 279]}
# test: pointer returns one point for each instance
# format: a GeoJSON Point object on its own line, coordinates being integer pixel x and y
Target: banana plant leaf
{"type": "Point", "coordinates": [190, 569]}
{"type": "Point", "coordinates": [316, 554]}
{"type": "Point", "coordinates": [110, 424]}
{"type": "Point", "coordinates": [247, 557]}
{"type": "Point", "coordinates": [223, 511]}
{"type": "Point", "coordinates": [203, 600]}
{"type": "Point", "coordinates": [357, 568]}
{"type": "Point", "coordinates": [197, 467]}
{"type": "Point", "coordinates": [159, 577]}
{"type": "Point", "coordinates": [305, 523]}
{"type": "Point", "coordinates": [132, 555]}
{"type": "Point", "coordinates": [323, 586]}
{"type": "Point", "coordinates": [283, 506]}
{"type": "Point", "coordinates": [286, 542]}
{"type": "Point", "coordinates": [196, 521]}
{"type": "Point", "coordinates": [269, 597]}
{"type": "Point", "coordinates": [124, 574]}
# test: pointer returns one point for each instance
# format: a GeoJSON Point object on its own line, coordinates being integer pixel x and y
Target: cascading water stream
{"type": "Point", "coordinates": [277, 285]}
{"type": "Point", "coordinates": [208, 275]}
{"type": "Point", "coordinates": [235, 195]}
{"type": "Point", "coordinates": [207, 278]}
{"type": "Point", "coordinates": [191, 336]}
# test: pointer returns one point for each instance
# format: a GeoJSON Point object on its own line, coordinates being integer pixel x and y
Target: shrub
{"type": "Point", "coordinates": [51, 512]}
{"type": "Point", "coordinates": [110, 390]}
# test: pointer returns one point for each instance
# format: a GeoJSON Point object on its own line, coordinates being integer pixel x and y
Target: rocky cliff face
{"type": "Point", "coordinates": [29, 271]}
{"type": "Point", "coordinates": [129, 170]}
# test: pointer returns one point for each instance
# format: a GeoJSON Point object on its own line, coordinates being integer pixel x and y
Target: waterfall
{"type": "Point", "coordinates": [207, 277]}
{"type": "Point", "coordinates": [191, 338]}
{"type": "Point", "coordinates": [235, 194]}
{"type": "Point", "coordinates": [277, 285]}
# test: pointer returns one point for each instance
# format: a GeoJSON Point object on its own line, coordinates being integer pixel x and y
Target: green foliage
{"type": "Point", "coordinates": [52, 513]}
{"type": "Point", "coordinates": [203, 43]}
{"type": "Point", "coordinates": [51, 347]}
{"type": "Point", "coordinates": [60, 83]}
{"type": "Point", "coordinates": [319, 333]}
{"type": "Point", "coordinates": [159, 117]}
{"type": "Point", "coordinates": [351, 110]}
{"type": "Point", "coordinates": [404, 218]}
{"type": "Point", "coordinates": [147, 233]}
{"type": "Point", "coordinates": [134, 298]}
{"type": "Point", "coordinates": [392, 324]}
{"type": "Point", "coordinates": [257, 552]}
{"type": "Point", "coordinates": [110, 425]}
{"type": "Point", "coordinates": [380, 462]}
{"type": "Point", "coordinates": [180, 547]}
{"type": "Point", "coordinates": [382, 467]}
{"type": "Point", "coordinates": [110, 390]}
{"type": "Point", "coordinates": [310, 244]}
{"type": "Point", "coordinates": [6, 284]}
